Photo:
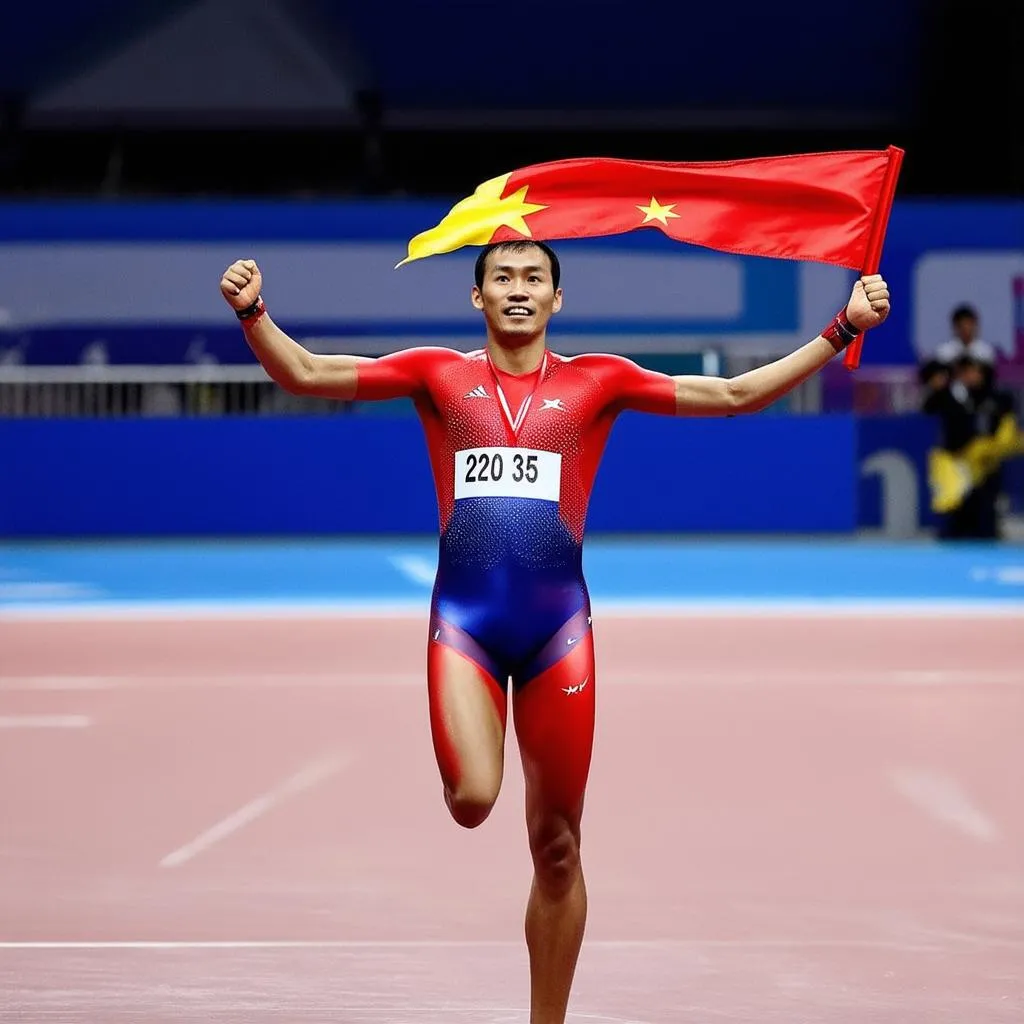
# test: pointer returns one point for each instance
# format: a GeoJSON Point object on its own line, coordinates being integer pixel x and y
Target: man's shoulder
{"type": "Point", "coordinates": [598, 361]}
{"type": "Point", "coordinates": [442, 354]}
{"type": "Point", "coordinates": [434, 359]}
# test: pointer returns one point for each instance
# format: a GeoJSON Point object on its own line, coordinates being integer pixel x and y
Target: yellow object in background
{"type": "Point", "coordinates": [952, 476]}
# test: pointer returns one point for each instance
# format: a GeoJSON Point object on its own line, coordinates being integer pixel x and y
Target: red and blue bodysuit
{"type": "Point", "coordinates": [514, 461]}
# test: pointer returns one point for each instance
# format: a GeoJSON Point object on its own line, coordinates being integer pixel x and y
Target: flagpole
{"type": "Point", "coordinates": [873, 255]}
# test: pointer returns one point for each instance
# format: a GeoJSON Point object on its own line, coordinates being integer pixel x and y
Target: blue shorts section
{"type": "Point", "coordinates": [510, 576]}
{"type": "Point", "coordinates": [551, 653]}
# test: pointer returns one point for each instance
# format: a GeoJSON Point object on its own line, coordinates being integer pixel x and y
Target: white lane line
{"type": "Point", "coordinates": [944, 799]}
{"type": "Point", "coordinates": [1012, 575]}
{"type": "Point", "coordinates": [924, 678]}
{"type": "Point", "coordinates": [416, 568]}
{"type": "Point", "coordinates": [56, 683]}
{"type": "Point", "coordinates": [420, 569]}
{"type": "Point", "coordinates": [641, 945]}
{"type": "Point", "coordinates": [45, 721]}
{"type": "Point", "coordinates": [302, 780]}
{"type": "Point", "coordinates": [208, 611]}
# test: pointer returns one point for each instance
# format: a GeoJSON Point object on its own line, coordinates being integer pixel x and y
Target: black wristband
{"type": "Point", "coordinates": [841, 333]}
{"type": "Point", "coordinates": [251, 311]}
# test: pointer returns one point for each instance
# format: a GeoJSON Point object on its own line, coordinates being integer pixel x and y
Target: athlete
{"type": "Point", "coordinates": [515, 433]}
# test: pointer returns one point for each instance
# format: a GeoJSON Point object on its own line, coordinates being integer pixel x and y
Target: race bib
{"type": "Point", "coordinates": [508, 473]}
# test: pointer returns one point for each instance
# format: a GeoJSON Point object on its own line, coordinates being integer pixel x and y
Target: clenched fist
{"type": "Point", "coordinates": [869, 302]}
{"type": "Point", "coordinates": [241, 284]}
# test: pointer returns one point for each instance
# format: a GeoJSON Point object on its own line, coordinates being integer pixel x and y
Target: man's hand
{"type": "Point", "coordinates": [869, 302]}
{"type": "Point", "coordinates": [242, 283]}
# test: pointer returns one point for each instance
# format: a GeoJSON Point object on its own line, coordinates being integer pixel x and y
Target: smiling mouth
{"type": "Point", "coordinates": [518, 312]}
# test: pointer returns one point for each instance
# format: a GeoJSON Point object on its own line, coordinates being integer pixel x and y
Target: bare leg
{"type": "Point", "coordinates": [467, 721]}
{"type": "Point", "coordinates": [554, 718]}
{"type": "Point", "coordinates": [556, 913]}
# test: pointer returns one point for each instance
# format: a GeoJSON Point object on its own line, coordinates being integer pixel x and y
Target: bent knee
{"type": "Point", "coordinates": [471, 805]}
{"type": "Point", "coordinates": [556, 856]}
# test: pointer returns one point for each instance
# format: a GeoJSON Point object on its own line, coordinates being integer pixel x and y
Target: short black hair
{"type": "Point", "coordinates": [964, 312]}
{"type": "Point", "coordinates": [517, 245]}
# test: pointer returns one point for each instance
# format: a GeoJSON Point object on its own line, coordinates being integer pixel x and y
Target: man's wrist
{"type": "Point", "coordinates": [252, 313]}
{"type": "Point", "coordinates": [841, 333]}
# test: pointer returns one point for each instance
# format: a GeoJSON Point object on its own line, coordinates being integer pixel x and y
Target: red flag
{"type": "Point", "coordinates": [823, 207]}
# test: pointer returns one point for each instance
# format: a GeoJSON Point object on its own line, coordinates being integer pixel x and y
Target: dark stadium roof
{"type": "Point", "coordinates": [363, 96]}
{"type": "Point", "coordinates": [467, 61]}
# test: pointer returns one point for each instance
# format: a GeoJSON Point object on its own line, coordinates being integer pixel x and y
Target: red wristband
{"type": "Point", "coordinates": [840, 332]}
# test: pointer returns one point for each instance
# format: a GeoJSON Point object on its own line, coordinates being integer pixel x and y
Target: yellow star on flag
{"type": "Point", "coordinates": [657, 212]}
{"type": "Point", "coordinates": [474, 220]}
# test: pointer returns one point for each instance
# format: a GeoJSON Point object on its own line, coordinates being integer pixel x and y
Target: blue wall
{"type": "Point", "coordinates": [354, 474]}
{"type": "Point", "coordinates": [892, 456]}
{"type": "Point", "coordinates": [360, 473]}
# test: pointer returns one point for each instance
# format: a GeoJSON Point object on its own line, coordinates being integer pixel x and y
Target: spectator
{"type": "Point", "coordinates": [936, 372]}
{"type": "Point", "coordinates": [978, 432]}
{"type": "Point", "coordinates": [965, 341]}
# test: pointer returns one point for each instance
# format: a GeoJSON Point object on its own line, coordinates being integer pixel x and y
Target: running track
{"type": "Point", "coordinates": [218, 800]}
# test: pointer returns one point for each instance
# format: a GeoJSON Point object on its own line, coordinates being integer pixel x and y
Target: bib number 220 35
{"type": "Point", "coordinates": [508, 473]}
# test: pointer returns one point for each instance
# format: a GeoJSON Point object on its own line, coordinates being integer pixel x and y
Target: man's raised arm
{"type": "Point", "coordinates": [757, 389]}
{"type": "Point", "coordinates": [301, 372]}
{"type": "Point", "coordinates": [287, 363]}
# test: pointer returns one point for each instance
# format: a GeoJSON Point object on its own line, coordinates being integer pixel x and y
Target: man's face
{"type": "Point", "coordinates": [966, 328]}
{"type": "Point", "coordinates": [518, 295]}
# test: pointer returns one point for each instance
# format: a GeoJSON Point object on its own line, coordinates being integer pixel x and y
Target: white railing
{"type": "Point", "coordinates": [127, 391]}
{"type": "Point", "coordinates": [201, 390]}
{"type": "Point", "coordinates": [225, 390]}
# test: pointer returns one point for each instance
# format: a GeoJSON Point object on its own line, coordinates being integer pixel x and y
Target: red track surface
{"type": "Point", "coordinates": [813, 821]}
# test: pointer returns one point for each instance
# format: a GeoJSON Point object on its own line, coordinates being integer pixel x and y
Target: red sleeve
{"type": "Point", "coordinates": [630, 386]}
{"type": "Point", "coordinates": [398, 375]}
